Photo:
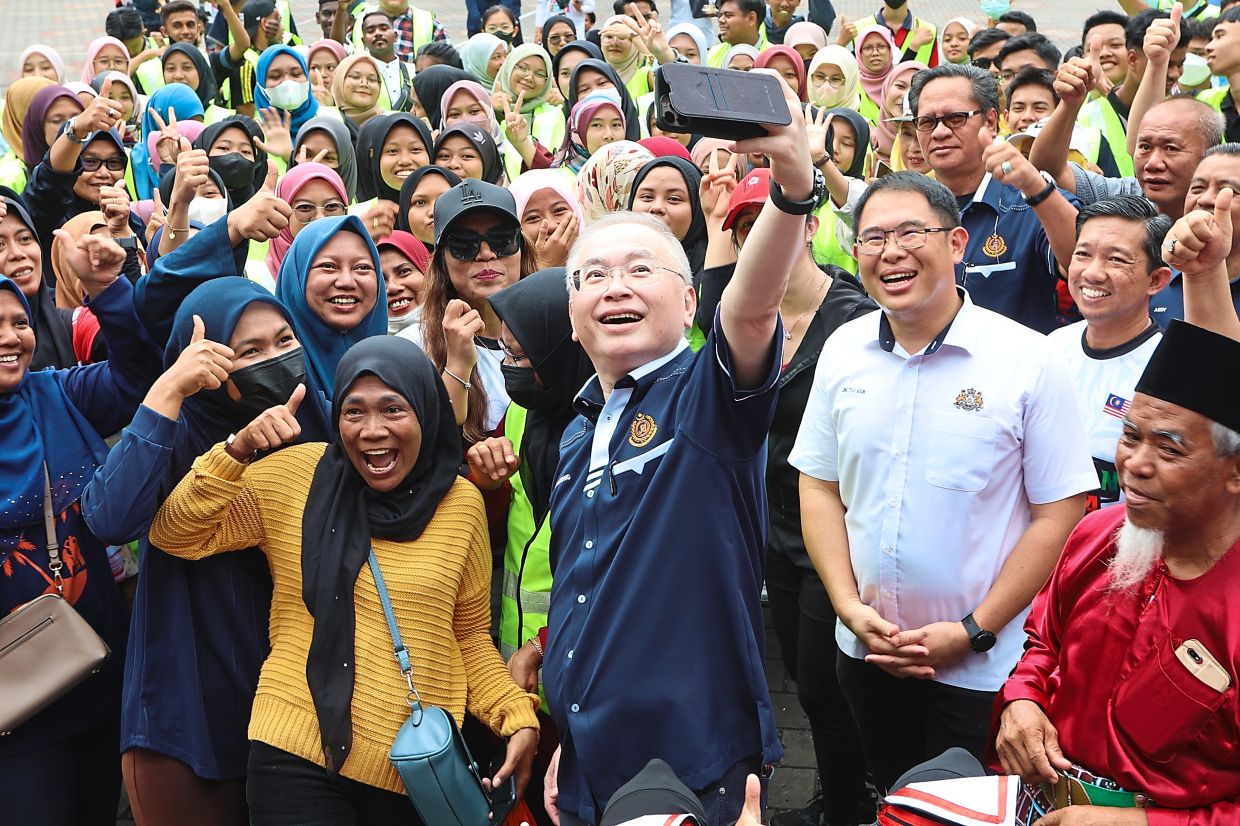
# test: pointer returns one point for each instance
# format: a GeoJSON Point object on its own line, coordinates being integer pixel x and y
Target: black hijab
{"type": "Point", "coordinates": [694, 242]}
{"type": "Point", "coordinates": [535, 310]}
{"type": "Point", "coordinates": [53, 337]}
{"type": "Point", "coordinates": [243, 189]}
{"type": "Point", "coordinates": [550, 23]}
{"type": "Point", "coordinates": [492, 168]}
{"type": "Point", "coordinates": [592, 51]}
{"type": "Point", "coordinates": [430, 84]}
{"type": "Point", "coordinates": [343, 513]}
{"type": "Point", "coordinates": [410, 185]}
{"type": "Point", "coordinates": [207, 87]}
{"type": "Point", "coordinates": [370, 183]}
{"type": "Point", "coordinates": [861, 128]}
{"type": "Point", "coordinates": [632, 123]}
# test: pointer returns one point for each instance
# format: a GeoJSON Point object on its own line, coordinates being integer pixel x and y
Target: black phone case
{"type": "Point", "coordinates": [717, 103]}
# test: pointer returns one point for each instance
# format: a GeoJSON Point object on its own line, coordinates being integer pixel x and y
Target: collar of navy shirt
{"type": "Point", "coordinates": [959, 330]}
{"type": "Point", "coordinates": [589, 400]}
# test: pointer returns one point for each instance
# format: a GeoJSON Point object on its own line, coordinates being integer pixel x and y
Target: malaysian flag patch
{"type": "Point", "coordinates": [1117, 406]}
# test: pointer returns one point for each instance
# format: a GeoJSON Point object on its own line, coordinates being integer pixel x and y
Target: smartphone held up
{"type": "Point", "coordinates": [718, 103]}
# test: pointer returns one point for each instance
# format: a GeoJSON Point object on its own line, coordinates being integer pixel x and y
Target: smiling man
{"type": "Point", "coordinates": [379, 39]}
{"type": "Point", "coordinates": [658, 513]}
{"type": "Point", "coordinates": [1116, 267]}
{"type": "Point", "coordinates": [942, 467]}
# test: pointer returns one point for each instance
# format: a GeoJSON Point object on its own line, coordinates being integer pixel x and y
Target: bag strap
{"type": "Point", "coordinates": [398, 645]}
{"type": "Point", "coordinates": [54, 562]}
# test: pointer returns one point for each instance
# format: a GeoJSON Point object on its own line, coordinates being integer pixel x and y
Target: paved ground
{"type": "Point", "coordinates": [69, 25]}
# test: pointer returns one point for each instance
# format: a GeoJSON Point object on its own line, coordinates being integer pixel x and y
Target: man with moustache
{"type": "Point", "coordinates": [1124, 708]}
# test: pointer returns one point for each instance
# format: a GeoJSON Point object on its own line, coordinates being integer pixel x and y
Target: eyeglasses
{"type": "Point", "coordinates": [465, 246]}
{"type": "Point", "coordinates": [953, 120]}
{"type": "Point", "coordinates": [499, 29]}
{"type": "Point", "coordinates": [836, 81]}
{"type": "Point", "coordinates": [983, 62]}
{"type": "Point", "coordinates": [116, 163]}
{"type": "Point", "coordinates": [874, 241]}
{"type": "Point", "coordinates": [538, 74]}
{"type": "Point", "coordinates": [637, 274]}
{"type": "Point", "coordinates": [307, 212]}
{"type": "Point", "coordinates": [512, 355]}
{"type": "Point", "coordinates": [560, 39]}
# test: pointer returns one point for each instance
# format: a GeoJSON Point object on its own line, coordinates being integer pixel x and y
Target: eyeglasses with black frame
{"type": "Point", "coordinates": [953, 120]}
{"type": "Point", "coordinates": [635, 274]}
{"type": "Point", "coordinates": [874, 241]}
{"type": "Point", "coordinates": [306, 212]}
{"type": "Point", "coordinates": [464, 245]}
{"type": "Point", "coordinates": [983, 62]}
{"type": "Point", "coordinates": [116, 163]}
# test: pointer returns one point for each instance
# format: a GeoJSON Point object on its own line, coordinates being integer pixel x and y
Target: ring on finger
{"type": "Point", "coordinates": [1169, 245]}
{"type": "Point", "coordinates": [1006, 168]}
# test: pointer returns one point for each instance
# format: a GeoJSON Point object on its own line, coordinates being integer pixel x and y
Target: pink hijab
{"type": "Point", "coordinates": [872, 83]}
{"type": "Point", "coordinates": [287, 190]}
{"type": "Point", "coordinates": [884, 132]}
{"type": "Point", "coordinates": [331, 46]}
{"type": "Point", "coordinates": [528, 184]}
{"type": "Point", "coordinates": [92, 51]}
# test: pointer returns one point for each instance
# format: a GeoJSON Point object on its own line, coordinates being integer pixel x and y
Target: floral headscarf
{"type": "Point", "coordinates": [606, 179]}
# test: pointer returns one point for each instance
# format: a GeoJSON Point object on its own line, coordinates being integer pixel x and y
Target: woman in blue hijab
{"type": "Point", "coordinates": [60, 765]}
{"type": "Point", "coordinates": [282, 81]}
{"type": "Point", "coordinates": [175, 97]}
{"type": "Point", "coordinates": [332, 284]}
{"type": "Point", "coordinates": [192, 669]}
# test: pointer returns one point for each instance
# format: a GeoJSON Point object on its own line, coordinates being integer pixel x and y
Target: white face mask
{"type": "Point", "coordinates": [289, 95]}
{"type": "Point", "coordinates": [207, 211]}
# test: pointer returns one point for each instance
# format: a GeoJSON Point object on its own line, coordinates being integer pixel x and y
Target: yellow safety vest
{"type": "Point", "coordinates": [423, 26]}
{"type": "Point", "coordinates": [923, 54]}
{"type": "Point", "coordinates": [151, 76]}
{"type": "Point", "coordinates": [12, 171]}
{"type": "Point", "coordinates": [1202, 11]}
{"type": "Point", "coordinates": [825, 246]}
{"type": "Point", "coordinates": [1101, 116]}
{"type": "Point", "coordinates": [286, 19]}
{"type": "Point", "coordinates": [639, 83]}
{"type": "Point", "coordinates": [717, 53]}
{"type": "Point", "coordinates": [1215, 97]}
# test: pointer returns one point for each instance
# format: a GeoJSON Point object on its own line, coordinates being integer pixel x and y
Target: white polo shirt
{"type": "Point", "coordinates": [1105, 382]}
{"type": "Point", "coordinates": [938, 456]}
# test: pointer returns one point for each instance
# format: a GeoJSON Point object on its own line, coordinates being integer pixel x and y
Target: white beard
{"type": "Point", "coordinates": [1137, 550]}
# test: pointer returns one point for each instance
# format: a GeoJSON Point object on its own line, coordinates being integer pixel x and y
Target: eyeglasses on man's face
{"type": "Point", "coordinates": [596, 277]}
{"type": "Point", "coordinates": [952, 120]}
{"type": "Point", "coordinates": [874, 241]}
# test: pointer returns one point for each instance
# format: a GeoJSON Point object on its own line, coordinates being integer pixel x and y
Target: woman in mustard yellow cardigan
{"type": "Point", "coordinates": [331, 697]}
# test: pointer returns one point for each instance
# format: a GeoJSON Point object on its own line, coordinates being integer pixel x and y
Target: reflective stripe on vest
{"type": "Point", "coordinates": [423, 26]}
{"type": "Point", "coordinates": [1101, 116]}
{"type": "Point", "coordinates": [526, 594]}
{"type": "Point", "coordinates": [923, 54]}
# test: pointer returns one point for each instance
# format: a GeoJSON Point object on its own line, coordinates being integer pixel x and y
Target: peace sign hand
{"type": "Point", "coordinates": [303, 155]}
{"type": "Point", "coordinates": [716, 188]}
{"type": "Point", "coordinates": [515, 125]}
{"type": "Point", "coordinates": [279, 136]}
{"type": "Point", "coordinates": [168, 144]}
{"type": "Point", "coordinates": [651, 34]}
{"type": "Point", "coordinates": [321, 93]}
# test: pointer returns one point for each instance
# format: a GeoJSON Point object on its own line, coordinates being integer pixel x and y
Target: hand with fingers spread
{"type": "Point", "coordinates": [716, 188]}
{"type": "Point", "coordinates": [1028, 745]}
{"type": "Point", "coordinates": [1074, 80]}
{"type": "Point", "coordinates": [817, 130]}
{"type": "Point", "coordinates": [279, 136]}
{"type": "Point", "coordinates": [96, 260]}
{"type": "Point", "coordinates": [1201, 240]}
{"type": "Point", "coordinates": [203, 365]}
{"type": "Point", "coordinates": [786, 146]}
{"type": "Point", "coordinates": [380, 219]}
{"type": "Point", "coordinates": [193, 170]}
{"type": "Point", "coordinates": [274, 427]}
{"type": "Point", "coordinates": [262, 217]}
{"type": "Point", "coordinates": [114, 204]}
{"type": "Point", "coordinates": [168, 144]}
{"type": "Point", "coordinates": [552, 244]}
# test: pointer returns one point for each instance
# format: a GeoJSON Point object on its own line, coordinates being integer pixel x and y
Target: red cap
{"type": "Point", "coordinates": [754, 188]}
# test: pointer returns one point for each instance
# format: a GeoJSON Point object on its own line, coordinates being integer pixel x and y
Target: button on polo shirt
{"type": "Point", "coordinates": [938, 455]}
{"type": "Point", "coordinates": [1008, 265]}
{"type": "Point", "coordinates": [655, 644]}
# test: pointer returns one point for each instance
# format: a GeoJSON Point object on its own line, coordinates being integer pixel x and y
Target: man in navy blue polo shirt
{"type": "Point", "coordinates": [1019, 222]}
{"type": "Point", "coordinates": [655, 643]}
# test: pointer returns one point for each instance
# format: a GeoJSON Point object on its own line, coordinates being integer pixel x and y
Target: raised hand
{"type": "Point", "coordinates": [274, 427]}
{"type": "Point", "coordinates": [1093, 54]}
{"type": "Point", "coordinates": [1008, 164]}
{"type": "Point", "coordinates": [193, 170]}
{"type": "Point", "coordinates": [100, 115]}
{"type": "Point", "coordinates": [817, 130]}
{"type": "Point", "coordinates": [1074, 80]}
{"type": "Point", "coordinates": [319, 87]}
{"type": "Point", "coordinates": [786, 146]}
{"type": "Point", "coordinates": [303, 155]}
{"type": "Point", "coordinates": [168, 144]}
{"type": "Point", "coordinates": [114, 204]}
{"type": "Point", "coordinates": [96, 260]}
{"type": "Point", "coordinates": [159, 215]}
{"type": "Point", "coordinates": [516, 127]}
{"type": "Point", "coordinates": [204, 364]}
{"type": "Point", "coordinates": [460, 324]}
{"type": "Point", "coordinates": [1201, 240]}
{"type": "Point", "coordinates": [380, 219]}
{"type": "Point", "coordinates": [492, 460]}
{"type": "Point", "coordinates": [652, 36]}
{"type": "Point", "coordinates": [279, 135]}
{"type": "Point", "coordinates": [848, 31]}
{"type": "Point", "coordinates": [1163, 36]}
{"type": "Point", "coordinates": [551, 246]}
{"type": "Point", "coordinates": [920, 37]}
{"type": "Point", "coordinates": [261, 218]}
{"type": "Point", "coordinates": [716, 188]}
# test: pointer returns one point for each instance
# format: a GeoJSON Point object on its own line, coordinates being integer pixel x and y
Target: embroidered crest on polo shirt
{"type": "Point", "coordinates": [969, 399]}
{"type": "Point", "coordinates": [995, 246]}
{"type": "Point", "coordinates": [642, 430]}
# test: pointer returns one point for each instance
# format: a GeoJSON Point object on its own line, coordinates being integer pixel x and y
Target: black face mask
{"type": "Point", "coordinates": [507, 37]}
{"type": "Point", "coordinates": [269, 383]}
{"type": "Point", "coordinates": [895, 4]}
{"type": "Point", "coordinates": [234, 169]}
{"type": "Point", "coordinates": [523, 388]}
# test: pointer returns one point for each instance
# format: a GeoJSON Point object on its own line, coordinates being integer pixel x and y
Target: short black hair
{"type": "Point", "coordinates": [124, 23]}
{"type": "Point", "coordinates": [986, 37]}
{"type": "Point", "coordinates": [983, 86]}
{"type": "Point", "coordinates": [441, 52]}
{"type": "Point", "coordinates": [1198, 29]}
{"type": "Point", "coordinates": [1133, 208]}
{"type": "Point", "coordinates": [1228, 15]}
{"type": "Point", "coordinates": [500, 8]}
{"type": "Point", "coordinates": [758, 7]}
{"type": "Point", "coordinates": [374, 13]}
{"type": "Point", "coordinates": [1031, 42]}
{"type": "Point", "coordinates": [1032, 76]}
{"type": "Point", "coordinates": [618, 6]}
{"type": "Point", "coordinates": [1139, 24]}
{"type": "Point", "coordinates": [177, 7]}
{"type": "Point", "coordinates": [1020, 18]}
{"type": "Point", "coordinates": [1106, 17]}
{"type": "Point", "coordinates": [941, 200]}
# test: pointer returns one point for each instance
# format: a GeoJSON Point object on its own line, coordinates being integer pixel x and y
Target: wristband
{"type": "Point", "coordinates": [236, 455]}
{"type": "Point", "coordinates": [805, 207]}
{"type": "Point", "coordinates": [464, 383]}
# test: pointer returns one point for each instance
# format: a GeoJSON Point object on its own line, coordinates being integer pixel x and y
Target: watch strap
{"type": "Point", "coordinates": [805, 207]}
{"type": "Point", "coordinates": [1043, 195]}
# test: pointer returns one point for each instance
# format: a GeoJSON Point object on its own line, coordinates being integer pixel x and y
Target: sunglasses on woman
{"type": "Point", "coordinates": [464, 245]}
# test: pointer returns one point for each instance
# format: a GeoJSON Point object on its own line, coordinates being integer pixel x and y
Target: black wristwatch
{"type": "Point", "coordinates": [1044, 194]}
{"type": "Point", "coordinates": [815, 199]}
{"type": "Point", "coordinates": [980, 640]}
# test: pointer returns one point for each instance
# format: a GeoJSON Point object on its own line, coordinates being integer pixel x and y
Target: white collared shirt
{"type": "Point", "coordinates": [938, 456]}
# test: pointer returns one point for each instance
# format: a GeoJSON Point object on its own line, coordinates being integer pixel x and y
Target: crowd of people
{"type": "Point", "coordinates": [311, 344]}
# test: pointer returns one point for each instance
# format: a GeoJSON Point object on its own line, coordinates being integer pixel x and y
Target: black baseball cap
{"type": "Point", "coordinates": [468, 197]}
{"type": "Point", "coordinates": [655, 790]}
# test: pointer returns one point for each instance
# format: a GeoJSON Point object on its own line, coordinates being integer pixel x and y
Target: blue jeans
{"type": "Point", "coordinates": [722, 801]}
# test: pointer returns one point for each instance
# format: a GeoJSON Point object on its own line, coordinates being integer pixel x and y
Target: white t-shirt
{"type": "Point", "coordinates": [939, 455]}
{"type": "Point", "coordinates": [486, 371]}
{"type": "Point", "coordinates": [1104, 381]}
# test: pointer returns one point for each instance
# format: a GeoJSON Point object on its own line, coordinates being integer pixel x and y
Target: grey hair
{"type": "Point", "coordinates": [1226, 441]}
{"type": "Point", "coordinates": [983, 87]}
{"type": "Point", "coordinates": [676, 252]}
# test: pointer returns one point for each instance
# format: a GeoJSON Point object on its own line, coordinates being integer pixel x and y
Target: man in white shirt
{"type": "Point", "coordinates": [943, 466]}
{"type": "Point", "coordinates": [1116, 266]}
{"type": "Point", "coordinates": [379, 40]}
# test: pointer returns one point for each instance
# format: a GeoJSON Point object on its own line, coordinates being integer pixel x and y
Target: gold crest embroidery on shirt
{"type": "Point", "coordinates": [642, 431]}
{"type": "Point", "coordinates": [969, 399]}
